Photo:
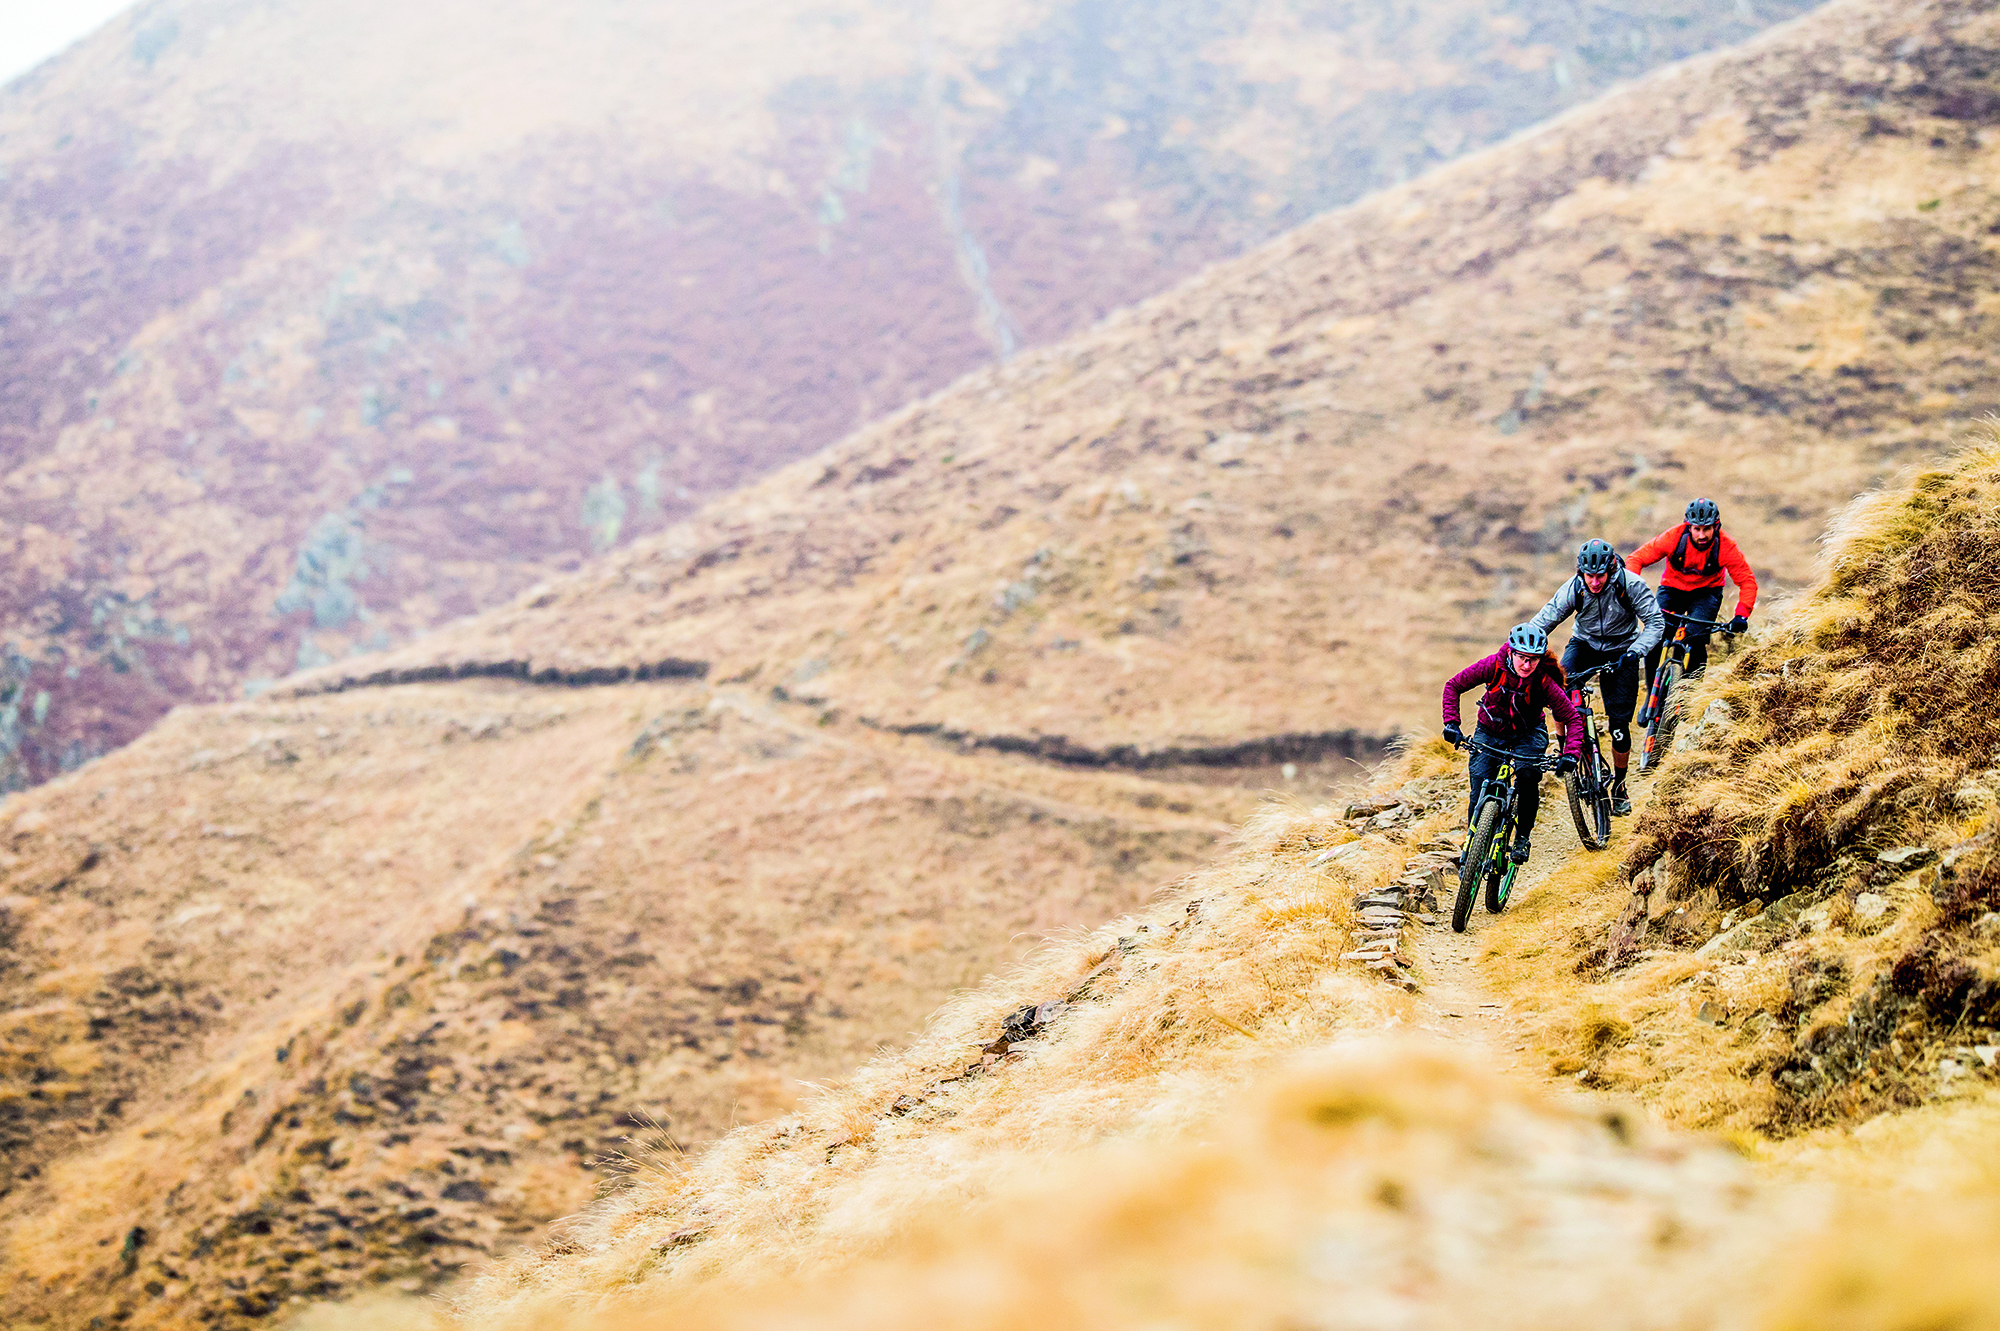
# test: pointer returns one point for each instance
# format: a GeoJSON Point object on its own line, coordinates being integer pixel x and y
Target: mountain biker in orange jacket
{"type": "Point", "coordinates": [1698, 554]}
{"type": "Point", "coordinates": [1521, 680]}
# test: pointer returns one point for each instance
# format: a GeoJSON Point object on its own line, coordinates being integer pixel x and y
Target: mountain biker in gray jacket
{"type": "Point", "coordinates": [1618, 621]}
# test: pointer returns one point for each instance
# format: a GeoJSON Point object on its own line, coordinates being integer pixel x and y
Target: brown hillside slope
{"type": "Point", "coordinates": [303, 997]}
{"type": "Point", "coordinates": [1289, 496]}
{"type": "Point", "coordinates": [1817, 869]}
{"type": "Point", "coordinates": [323, 324]}
{"type": "Point", "coordinates": [1211, 1132]}
{"type": "Point", "coordinates": [1110, 1170]}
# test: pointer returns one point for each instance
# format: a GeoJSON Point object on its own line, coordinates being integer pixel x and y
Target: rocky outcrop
{"type": "Point", "coordinates": [526, 671]}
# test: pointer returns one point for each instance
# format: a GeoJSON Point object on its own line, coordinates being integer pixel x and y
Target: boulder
{"type": "Point", "coordinates": [1714, 722]}
{"type": "Point", "coordinates": [1905, 857]}
{"type": "Point", "coordinates": [1758, 932]}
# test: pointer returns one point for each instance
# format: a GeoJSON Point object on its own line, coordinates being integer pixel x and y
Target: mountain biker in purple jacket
{"type": "Point", "coordinates": [1521, 680]}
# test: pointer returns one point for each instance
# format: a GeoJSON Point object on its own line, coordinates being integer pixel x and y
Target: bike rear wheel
{"type": "Point", "coordinates": [1478, 850]}
{"type": "Point", "coordinates": [1660, 729]}
{"type": "Point", "coordinates": [1499, 886]}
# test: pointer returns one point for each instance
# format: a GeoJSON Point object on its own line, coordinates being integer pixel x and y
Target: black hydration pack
{"type": "Point", "coordinates": [1711, 566]}
{"type": "Point", "coordinates": [1617, 582]}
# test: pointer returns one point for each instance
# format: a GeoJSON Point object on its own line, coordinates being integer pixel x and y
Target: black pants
{"type": "Point", "coordinates": [1527, 780]}
{"type": "Point", "coordinates": [1701, 604]}
{"type": "Point", "coordinates": [1620, 687]}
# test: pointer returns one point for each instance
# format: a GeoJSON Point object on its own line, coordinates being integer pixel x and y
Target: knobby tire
{"type": "Point", "coordinates": [1478, 849]}
{"type": "Point", "coordinates": [1495, 880]}
{"type": "Point", "coordinates": [1661, 728]}
{"type": "Point", "coordinates": [1583, 807]}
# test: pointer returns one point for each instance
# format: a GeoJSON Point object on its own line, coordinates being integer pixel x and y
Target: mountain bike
{"type": "Point", "coordinates": [1589, 786]}
{"type": "Point", "coordinates": [1663, 705]}
{"type": "Point", "coordinates": [1492, 832]}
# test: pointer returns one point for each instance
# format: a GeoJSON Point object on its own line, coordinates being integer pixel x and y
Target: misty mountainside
{"type": "Point", "coordinates": [1282, 501]}
{"type": "Point", "coordinates": [323, 324]}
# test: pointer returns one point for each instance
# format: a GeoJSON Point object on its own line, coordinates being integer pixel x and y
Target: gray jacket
{"type": "Point", "coordinates": [1604, 622]}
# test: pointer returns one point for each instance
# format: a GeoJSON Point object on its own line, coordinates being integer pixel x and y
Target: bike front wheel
{"type": "Point", "coordinates": [1583, 805]}
{"type": "Point", "coordinates": [1478, 850]}
{"type": "Point", "coordinates": [1660, 729]}
{"type": "Point", "coordinates": [1499, 886]}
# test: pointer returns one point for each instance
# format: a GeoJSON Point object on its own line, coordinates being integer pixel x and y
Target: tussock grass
{"type": "Point", "coordinates": [1861, 722]}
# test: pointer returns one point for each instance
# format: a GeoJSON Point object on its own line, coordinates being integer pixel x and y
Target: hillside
{"type": "Point", "coordinates": [347, 987]}
{"type": "Point", "coordinates": [325, 324]}
{"type": "Point", "coordinates": [1823, 845]}
{"type": "Point", "coordinates": [1204, 1125]}
{"type": "Point", "coordinates": [302, 997]}
{"type": "Point", "coordinates": [1287, 497]}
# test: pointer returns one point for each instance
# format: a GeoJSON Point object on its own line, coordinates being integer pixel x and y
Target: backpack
{"type": "Point", "coordinates": [1617, 581]}
{"type": "Point", "coordinates": [1710, 566]}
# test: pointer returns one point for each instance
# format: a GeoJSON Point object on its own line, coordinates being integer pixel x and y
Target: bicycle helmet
{"type": "Point", "coordinates": [1596, 556]}
{"type": "Point", "coordinates": [1703, 513]}
{"type": "Point", "coordinates": [1528, 640]}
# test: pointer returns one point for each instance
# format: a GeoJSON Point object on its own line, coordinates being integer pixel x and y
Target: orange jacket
{"type": "Point", "coordinates": [1704, 568]}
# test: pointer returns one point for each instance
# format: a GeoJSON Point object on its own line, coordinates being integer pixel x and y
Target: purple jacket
{"type": "Point", "coordinates": [1511, 707]}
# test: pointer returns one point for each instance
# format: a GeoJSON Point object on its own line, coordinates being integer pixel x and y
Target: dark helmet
{"type": "Point", "coordinates": [1528, 640]}
{"type": "Point", "coordinates": [1595, 556]}
{"type": "Point", "coordinates": [1703, 513]}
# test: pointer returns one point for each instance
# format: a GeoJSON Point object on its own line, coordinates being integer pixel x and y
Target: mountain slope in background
{"type": "Point", "coordinates": [1288, 497]}
{"type": "Point", "coordinates": [324, 324]}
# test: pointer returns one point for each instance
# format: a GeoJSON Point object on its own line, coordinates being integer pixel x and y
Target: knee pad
{"type": "Point", "coordinates": [1621, 740]}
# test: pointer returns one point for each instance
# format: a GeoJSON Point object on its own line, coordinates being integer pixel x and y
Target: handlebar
{"type": "Point", "coordinates": [1720, 625]}
{"type": "Point", "coordinates": [1583, 677]}
{"type": "Point", "coordinates": [1545, 763]}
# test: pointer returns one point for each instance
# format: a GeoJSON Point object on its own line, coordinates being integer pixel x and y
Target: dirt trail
{"type": "Point", "coordinates": [1455, 1002]}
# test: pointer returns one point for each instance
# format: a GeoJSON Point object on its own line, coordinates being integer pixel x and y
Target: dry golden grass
{"type": "Point", "coordinates": [1154, 1040]}
{"type": "Point", "coordinates": [319, 995]}
{"type": "Point", "coordinates": [1210, 1137]}
{"type": "Point", "coordinates": [1861, 720]}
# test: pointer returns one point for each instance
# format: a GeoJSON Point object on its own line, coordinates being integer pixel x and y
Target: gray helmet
{"type": "Point", "coordinates": [1528, 640]}
{"type": "Point", "coordinates": [1703, 513]}
{"type": "Point", "coordinates": [1595, 556]}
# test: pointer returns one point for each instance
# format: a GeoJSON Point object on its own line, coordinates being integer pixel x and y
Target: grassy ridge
{"type": "Point", "coordinates": [1211, 1133]}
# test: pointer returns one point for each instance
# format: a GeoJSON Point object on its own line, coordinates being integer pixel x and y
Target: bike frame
{"type": "Point", "coordinates": [1501, 787]}
{"type": "Point", "coordinates": [1677, 653]}
{"type": "Point", "coordinates": [1579, 694]}
{"type": "Point", "coordinates": [1672, 664]}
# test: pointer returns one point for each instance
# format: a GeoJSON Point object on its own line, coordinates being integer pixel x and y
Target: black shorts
{"type": "Point", "coordinates": [1620, 685]}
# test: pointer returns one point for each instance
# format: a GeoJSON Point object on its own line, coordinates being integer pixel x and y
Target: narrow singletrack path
{"type": "Point", "coordinates": [1455, 1003]}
